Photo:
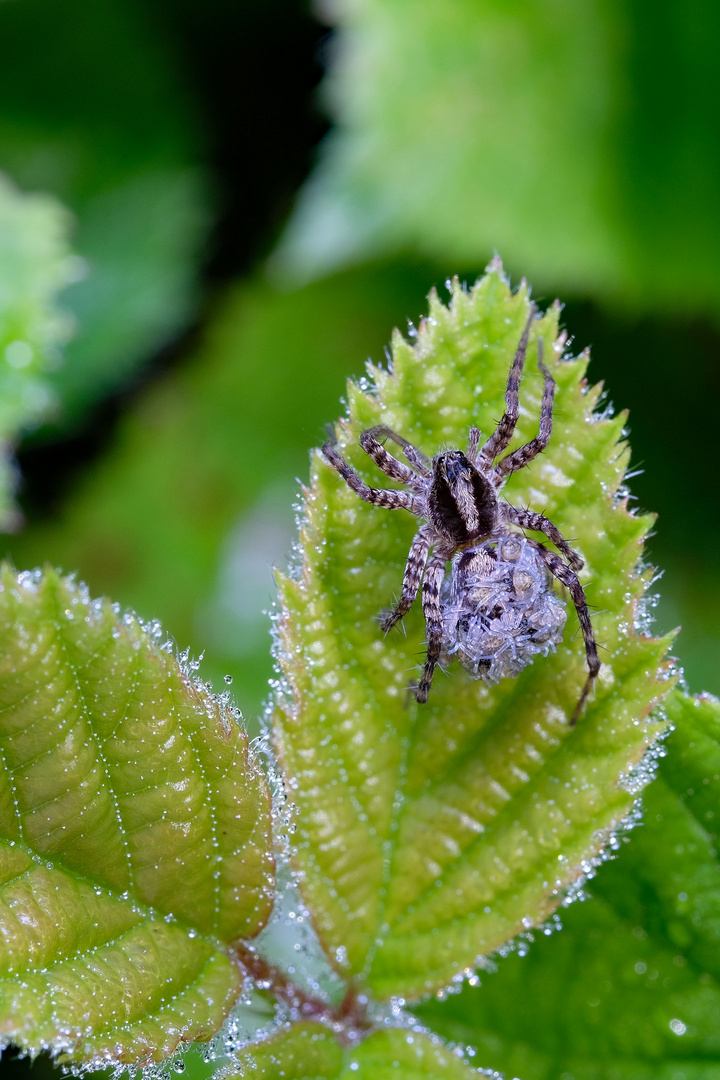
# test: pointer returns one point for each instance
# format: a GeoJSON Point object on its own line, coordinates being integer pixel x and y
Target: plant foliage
{"type": "Point", "coordinates": [93, 109]}
{"type": "Point", "coordinates": [135, 834]}
{"type": "Point", "coordinates": [630, 990]}
{"type": "Point", "coordinates": [35, 264]}
{"type": "Point", "coordinates": [547, 132]}
{"type": "Point", "coordinates": [430, 836]}
{"type": "Point", "coordinates": [137, 861]}
{"type": "Point", "coordinates": [307, 1051]}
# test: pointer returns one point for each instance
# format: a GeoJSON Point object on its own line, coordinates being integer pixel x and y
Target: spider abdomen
{"type": "Point", "coordinates": [498, 609]}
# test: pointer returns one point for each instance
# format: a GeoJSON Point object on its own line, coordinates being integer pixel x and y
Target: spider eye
{"type": "Point", "coordinates": [454, 465]}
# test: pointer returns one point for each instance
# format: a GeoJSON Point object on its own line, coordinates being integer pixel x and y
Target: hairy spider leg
{"type": "Point", "coordinates": [419, 461]}
{"type": "Point", "coordinates": [412, 576]}
{"type": "Point", "coordinates": [434, 574]}
{"type": "Point", "coordinates": [528, 519]}
{"type": "Point", "coordinates": [390, 465]}
{"type": "Point", "coordinates": [569, 578]}
{"type": "Point", "coordinates": [390, 499]}
{"type": "Point", "coordinates": [525, 454]}
{"type": "Point", "coordinates": [503, 433]}
{"type": "Point", "coordinates": [473, 443]}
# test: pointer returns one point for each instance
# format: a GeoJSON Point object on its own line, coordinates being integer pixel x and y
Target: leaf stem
{"type": "Point", "coordinates": [348, 1019]}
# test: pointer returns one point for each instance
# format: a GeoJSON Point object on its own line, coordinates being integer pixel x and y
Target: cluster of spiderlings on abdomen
{"type": "Point", "coordinates": [498, 609]}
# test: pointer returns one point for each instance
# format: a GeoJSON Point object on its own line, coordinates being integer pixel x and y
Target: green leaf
{"type": "Point", "coordinates": [630, 990]}
{"type": "Point", "coordinates": [431, 835]}
{"type": "Point", "coordinates": [549, 134]}
{"type": "Point", "coordinates": [142, 241]}
{"type": "Point", "coordinates": [230, 432]}
{"type": "Point", "coordinates": [409, 1054]}
{"type": "Point", "coordinates": [35, 264]}
{"type": "Point", "coordinates": [310, 1052]}
{"type": "Point", "coordinates": [304, 1051]}
{"type": "Point", "coordinates": [106, 124]}
{"type": "Point", "coordinates": [135, 835]}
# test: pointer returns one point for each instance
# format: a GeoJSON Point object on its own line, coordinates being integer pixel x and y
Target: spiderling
{"type": "Point", "coordinates": [498, 609]}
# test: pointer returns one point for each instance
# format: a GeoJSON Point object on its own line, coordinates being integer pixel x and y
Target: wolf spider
{"type": "Point", "coordinates": [456, 494]}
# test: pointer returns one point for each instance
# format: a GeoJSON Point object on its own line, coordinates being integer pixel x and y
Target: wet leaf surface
{"type": "Point", "coordinates": [311, 1052]}
{"type": "Point", "coordinates": [630, 990]}
{"type": "Point", "coordinates": [135, 836]}
{"type": "Point", "coordinates": [431, 835]}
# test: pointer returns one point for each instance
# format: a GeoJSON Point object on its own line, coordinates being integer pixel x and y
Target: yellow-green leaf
{"type": "Point", "coordinates": [135, 835]}
{"type": "Point", "coordinates": [431, 835]}
{"type": "Point", "coordinates": [308, 1051]}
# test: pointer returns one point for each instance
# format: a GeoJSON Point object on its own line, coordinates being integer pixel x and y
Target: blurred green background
{"type": "Point", "coordinates": [213, 213]}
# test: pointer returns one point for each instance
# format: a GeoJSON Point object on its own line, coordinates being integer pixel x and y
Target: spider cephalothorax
{"type": "Point", "coordinates": [456, 494]}
{"type": "Point", "coordinates": [462, 504]}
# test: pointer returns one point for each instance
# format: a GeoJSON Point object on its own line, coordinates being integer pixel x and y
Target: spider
{"type": "Point", "coordinates": [456, 493]}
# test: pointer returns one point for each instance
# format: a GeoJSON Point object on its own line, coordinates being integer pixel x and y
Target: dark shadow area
{"type": "Point", "coordinates": [25, 1068]}
{"type": "Point", "coordinates": [666, 372]}
{"type": "Point", "coordinates": [253, 70]}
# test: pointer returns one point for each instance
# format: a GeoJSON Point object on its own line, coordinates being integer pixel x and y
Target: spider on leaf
{"type": "Point", "coordinates": [456, 493]}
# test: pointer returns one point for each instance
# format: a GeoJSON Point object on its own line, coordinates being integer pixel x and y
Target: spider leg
{"type": "Point", "coordinates": [370, 441]}
{"type": "Point", "coordinates": [528, 519]}
{"type": "Point", "coordinates": [473, 444]}
{"type": "Point", "coordinates": [390, 499]}
{"type": "Point", "coordinates": [417, 557]}
{"type": "Point", "coordinates": [569, 578]}
{"type": "Point", "coordinates": [526, 453]}
{"type": "Point", "coordinates": [433, 620]}
{"type": "Point", "coordinates": [504, 431]}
